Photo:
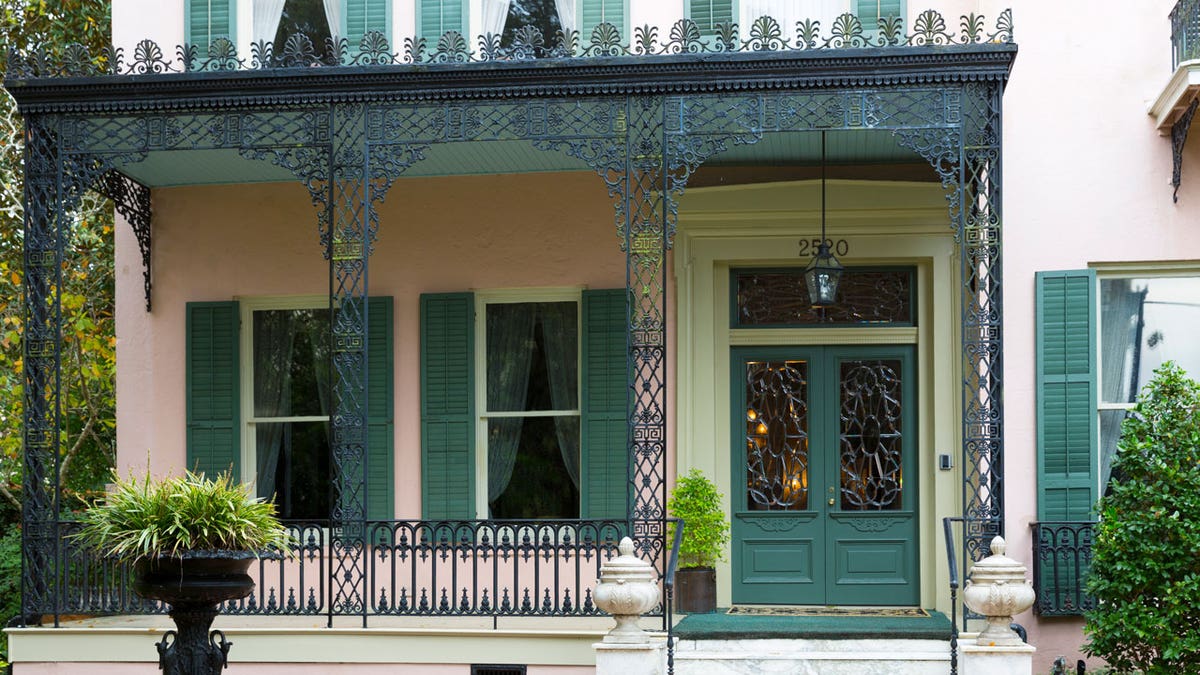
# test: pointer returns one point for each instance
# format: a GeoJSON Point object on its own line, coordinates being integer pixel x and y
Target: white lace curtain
{"type": "Point", "coordinates": [495, 12]}
{"type": "Point", "coordinates": [566, 15]}
{"type": "Point", "coordinates": [266, 19]}
{"type": "Point", "coordinates": [333, 14]}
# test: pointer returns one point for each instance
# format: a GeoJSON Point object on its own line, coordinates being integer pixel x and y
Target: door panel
{"type": "Point", "coordinates": [824, 443]}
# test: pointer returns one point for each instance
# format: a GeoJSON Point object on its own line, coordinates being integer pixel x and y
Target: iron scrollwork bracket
{"type": "Point", "coordinates": [132, 201]}
{"type": "Point", "coordinates": [1179, 134]}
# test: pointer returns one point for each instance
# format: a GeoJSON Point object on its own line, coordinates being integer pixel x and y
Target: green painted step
{"type": "Point", "coordinates": [721, 626]}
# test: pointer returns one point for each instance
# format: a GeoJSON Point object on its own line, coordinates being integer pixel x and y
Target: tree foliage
{"type": "Point", "coordinates": [87, 295]}
{"type": "Point", "coordinates": [1145, 575]}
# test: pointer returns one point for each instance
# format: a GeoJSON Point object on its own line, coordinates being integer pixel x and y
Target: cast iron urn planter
{"type": "Point", "coordinates": [194, 584]}
{"type": "Point", "coordinates": [696, 590]}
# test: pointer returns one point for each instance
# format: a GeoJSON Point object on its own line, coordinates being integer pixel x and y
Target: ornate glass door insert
{"type": "Point", "coordinates": [777, 435]}
{"type": "Point", "coordinates": [870, 436]}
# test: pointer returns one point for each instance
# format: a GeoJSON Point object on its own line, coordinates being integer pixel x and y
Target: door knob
{"type": "Point", "coordinates": [831, 502]}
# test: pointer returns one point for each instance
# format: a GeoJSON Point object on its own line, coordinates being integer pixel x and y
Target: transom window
{"type": "Point", "coordinates": [530, 412]}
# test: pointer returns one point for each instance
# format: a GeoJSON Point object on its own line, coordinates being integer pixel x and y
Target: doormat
{"type": "Point", "coordinates": [782, 610]}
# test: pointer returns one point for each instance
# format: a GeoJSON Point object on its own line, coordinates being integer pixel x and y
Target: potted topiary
{"type": "Point", "coordinates": [190, 541]}
{"type": "Point", "coordinates": [696, 501]}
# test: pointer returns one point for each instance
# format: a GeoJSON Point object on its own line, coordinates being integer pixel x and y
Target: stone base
{"type": "Point", "coordinates": [811, 656]}
{"type": "Point", "coordinates": [631, 659]}
{"type": "Point", "coordinates": [975, 659]}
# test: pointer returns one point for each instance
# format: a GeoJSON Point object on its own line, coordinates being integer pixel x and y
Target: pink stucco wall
{"type": "Point", "coordinates": [436, 235]}
{"type": "Point", "coordinates": [1085, 181]}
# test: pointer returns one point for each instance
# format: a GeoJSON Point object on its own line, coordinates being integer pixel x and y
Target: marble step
{"type": "Point", "coordinates": [803, 656]}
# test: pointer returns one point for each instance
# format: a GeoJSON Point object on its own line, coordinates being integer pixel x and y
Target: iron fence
{"type": "Point", "coordinates": [492, 568]}
{"type": "Point", "coordinates": [1185, 32]}
{"type": "Point", "coordinates": [1062, 556]}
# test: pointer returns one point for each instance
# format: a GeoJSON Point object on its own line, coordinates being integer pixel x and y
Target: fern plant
{"type": "Point", "coordinates": [147, 518]}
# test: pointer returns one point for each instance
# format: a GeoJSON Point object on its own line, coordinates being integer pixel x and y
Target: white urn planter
{"type": "Point", "coordinates": [627, 589]}
{"type": "Point", "coordinates": [997, 588]}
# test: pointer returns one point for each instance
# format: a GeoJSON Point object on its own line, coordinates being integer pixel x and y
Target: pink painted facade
{"type": "Point", "coordinates": [1086, 184]}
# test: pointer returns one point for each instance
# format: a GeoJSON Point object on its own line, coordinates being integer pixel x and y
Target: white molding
{"type": "Point", "coordinates": [1175, 96]}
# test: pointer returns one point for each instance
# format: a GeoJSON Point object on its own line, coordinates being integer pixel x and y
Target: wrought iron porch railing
{"type": "Point", "coordinates": [764, 34]}
{"type": "Point", "coordinates": [413, 568]}
{"type": "Point", "coordinates": [1185, 32]}
{"type": "Point", "coordinates": [1062, 556]}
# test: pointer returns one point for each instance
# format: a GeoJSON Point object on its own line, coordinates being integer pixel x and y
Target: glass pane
{"type": "Point", "coordinates": [533, 19]}
{"type": "Point", "coordinates": [291, 362]}
{"type": "Point", "coordinates": [532, 356]}
{"type": "Point", "coordinates": [293, 467]}
{"type": "Point", "coordinates": [870, 435]}
{"type": "Point", "coordinates": [303, 16]}
{"type": "Point", "coordinates": [1110, 433]}
{"type": "Point", "coordinates": [1144, 323]}
{"type": "Point", "coordinates": [533, 467]}
{"type": "Point", "coordinates": [780, 298]}
{"type": "Point", "coordinates": [777, 435]}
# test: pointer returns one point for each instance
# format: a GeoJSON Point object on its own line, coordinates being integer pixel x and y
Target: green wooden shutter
{"type": "Point", "coordinates": [363, 16]}
{"type": "Point", "coordinates": [604, 409]}
{"type": "Point", "coordinates": [435, 17]}
{"type": "Point", "coordinates": [380, 410]}
{"type": "Point", "coordinates": [870, 11]}
{"type": "Point", "coordinates": [708, 14]}
{"type": "Point", "coordinates": [208, 20]}
{"type": "Point", "coordinates": [447, 406]}
{"type": "Point", "coordinates": [213, 387]}
{"type": "Point", "coordinates": [1066, 395]}
{"type": "Point", "coordinates": [594, 12]}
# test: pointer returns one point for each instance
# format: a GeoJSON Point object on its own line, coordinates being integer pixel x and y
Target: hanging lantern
{"type": "Point", "coordinates": [822, 276]}
{"type": "Point", "coordinates": [824, 272]}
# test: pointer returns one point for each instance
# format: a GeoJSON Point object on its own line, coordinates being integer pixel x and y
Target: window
{"type": "Point", "coordinates": [259, 399]}
{"type": "Point", "coordinates": [1145, 321]}
{"type": "Point", "coordinates": [530, 409]}
{"type": "Point", "coordinates": [287, 435]}
{"type": "Point", "coordinates": [708, 14]}
{"type": "Point", "coordinates": [208, 20]}
{"type": "Point", "coordinates": [523, 412]}
{"type": "Point", "coordinates": [1100, 337]}
{"type": "Point", "coordinates": [437, 17]}
{"type": "Point", "coordinates": [277, 21]}
{"type": "Point", "coordinates": [869, 12]}
{"type": "Point", "coordinates": [592, 13]}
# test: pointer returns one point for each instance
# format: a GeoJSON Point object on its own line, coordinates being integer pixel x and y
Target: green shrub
{"type": "Point", "coordinates": [10, 582]}
{"type": "Point", "coordinates": [148, 518]}
{"type": "Point", "coordinates": [1146, 559]}
{"type": "Point", "coordinates": [706, 531]}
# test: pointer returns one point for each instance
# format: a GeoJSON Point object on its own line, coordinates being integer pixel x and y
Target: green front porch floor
{"type": "Point", "coordinates": [722, 626]}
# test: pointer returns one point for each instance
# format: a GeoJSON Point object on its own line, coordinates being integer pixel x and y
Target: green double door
{"type": "Point", "coordinates": [824, 476]}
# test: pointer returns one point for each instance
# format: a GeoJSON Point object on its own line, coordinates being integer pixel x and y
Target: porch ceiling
{"type": "Point", "coordinates": [215, 167]}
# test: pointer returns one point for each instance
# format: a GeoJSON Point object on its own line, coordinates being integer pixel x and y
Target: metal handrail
{"type": "Point", "coordinates": [669, 591]}
{"type": "Point", "coordinates": [951, 561]}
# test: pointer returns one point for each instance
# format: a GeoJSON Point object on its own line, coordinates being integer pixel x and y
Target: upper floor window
{"type": "Point", "coordinates": [208, 20]}
{"type": "Point", "coordinates": [709, 14]}
{"type": "Point", "coordinates": [592, 13]}
{"type": "Point", "coordinates": [437, 17]}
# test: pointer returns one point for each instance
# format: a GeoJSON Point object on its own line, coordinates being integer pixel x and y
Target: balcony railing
{"type": "Point", "coordinates": [927, 28]}
{"type": "Point", "coordinates": [413, 568]}
{"type": "Point", "coordinates": [1062, 556]}
{"type": "Point", "coordinates": [1185, 32]}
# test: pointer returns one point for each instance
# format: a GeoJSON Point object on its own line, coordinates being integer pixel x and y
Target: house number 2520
{"type": "Point", "coordinates": [810, 246]}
